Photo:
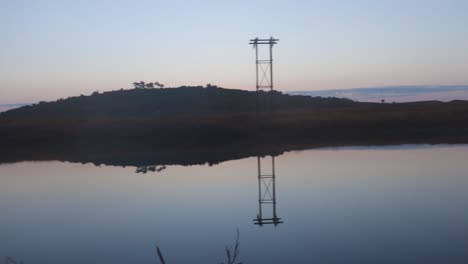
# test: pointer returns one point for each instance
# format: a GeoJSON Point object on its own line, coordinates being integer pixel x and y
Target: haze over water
{"type": "Point", "coordinates": [402, 204]}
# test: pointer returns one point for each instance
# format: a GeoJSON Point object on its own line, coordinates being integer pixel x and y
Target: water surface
{"type": "Point", "coordinates": [405, 204]}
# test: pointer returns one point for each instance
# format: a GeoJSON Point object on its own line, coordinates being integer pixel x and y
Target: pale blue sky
{"type": "Point", "coordinates": [52, 49]}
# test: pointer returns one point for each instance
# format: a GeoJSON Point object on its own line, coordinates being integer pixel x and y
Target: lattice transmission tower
{"type": "Point", "coordinates": [263, 66]}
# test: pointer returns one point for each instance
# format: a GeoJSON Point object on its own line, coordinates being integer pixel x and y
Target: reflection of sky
{"type": "Point", "coordinates": [55, 48]}
{"type": "Point", "coordinates": [337, 204]}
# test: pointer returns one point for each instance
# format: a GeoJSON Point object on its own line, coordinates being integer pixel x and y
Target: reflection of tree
{"type": "Point", "coordinates": [266, 192]}
{"type": "Point", "coordinates": [152, 168]}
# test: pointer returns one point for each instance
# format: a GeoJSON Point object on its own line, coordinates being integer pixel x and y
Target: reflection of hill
{"type": "Point", "coordinates": [146, 155]}
{"type": "Point", "coordinates": [139, 156]}
{"type": "Point", "coordinates": [198, 125]}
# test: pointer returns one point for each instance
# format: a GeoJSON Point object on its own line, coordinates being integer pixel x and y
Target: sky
{"type": "Point", "coordinates": [52, 49]}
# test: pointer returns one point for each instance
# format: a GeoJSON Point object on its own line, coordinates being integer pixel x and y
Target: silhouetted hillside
{"type": "Point", "coordinates": [196, 124]}
{"type": "Point", "coordinates": [170, 101]}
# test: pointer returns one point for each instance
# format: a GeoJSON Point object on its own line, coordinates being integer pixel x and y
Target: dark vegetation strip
{"type": "Point", "coordinates": [211, 125]}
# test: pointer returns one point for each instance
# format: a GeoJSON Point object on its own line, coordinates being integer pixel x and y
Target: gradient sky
{"type": "Point", "coordinates": [51, 49]}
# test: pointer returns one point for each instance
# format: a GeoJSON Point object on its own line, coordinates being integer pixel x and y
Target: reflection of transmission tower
{"type": "Point", "coordinates": [266, 194]}
{"type": "Point", "coordinates": [264, 66]}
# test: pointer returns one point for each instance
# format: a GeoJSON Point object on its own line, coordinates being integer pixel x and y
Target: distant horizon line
{"type": "Point", "coordinates": [421, 88]}
{"type": "Point", "coordinates": [390, 87]}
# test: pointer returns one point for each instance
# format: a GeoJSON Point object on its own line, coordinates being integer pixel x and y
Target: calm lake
{"type": "Point", "coordinates": [400, 204]}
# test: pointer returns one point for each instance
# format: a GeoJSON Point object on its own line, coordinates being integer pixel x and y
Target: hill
{"type": "Point", "coordinates": [169, 102]}
{"type": "Point", "coordinates": [149, 126]}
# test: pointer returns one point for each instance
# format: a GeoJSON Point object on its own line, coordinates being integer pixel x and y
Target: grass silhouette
{"type": "Point", "coordinates": [232, 252]}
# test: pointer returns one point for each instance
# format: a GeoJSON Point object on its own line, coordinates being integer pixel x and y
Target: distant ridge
{"type": "Point", "coordinates": [399, 94]}
{"type": "Point", "coordinates": [6, 107]}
